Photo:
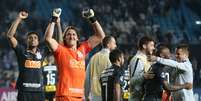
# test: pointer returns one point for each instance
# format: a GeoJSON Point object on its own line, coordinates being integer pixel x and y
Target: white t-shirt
{"type": "Point", "coordinates": [185, 76]}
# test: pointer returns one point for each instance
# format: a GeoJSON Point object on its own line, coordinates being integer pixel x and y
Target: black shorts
{"type": "Point", "coordinates": [30, 96]}
{"type": "Point", "coordinates": [49, 96]}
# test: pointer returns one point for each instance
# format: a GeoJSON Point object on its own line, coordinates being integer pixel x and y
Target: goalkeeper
{"type": "Point", "coordinates": [70, 56]}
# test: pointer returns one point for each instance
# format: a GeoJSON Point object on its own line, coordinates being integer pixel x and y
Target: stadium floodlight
{"type": "Point", "coordinates": [198, 22]}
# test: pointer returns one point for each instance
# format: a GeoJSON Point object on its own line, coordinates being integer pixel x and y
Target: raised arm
{"type": "Point", "coordinates": [50, 29]}
{"type": "Point", "coordinates": [49, 36]}
{"type": "Point", "coordinates": [59, 31]}
{"type": "Point", "coordinates": [95, 39]}
{"type": "Point", "coordinates": [12, 30]}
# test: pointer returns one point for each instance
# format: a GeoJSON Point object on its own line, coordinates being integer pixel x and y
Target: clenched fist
{"type": "Point", "coordinates": [23, 14]}
{"type": "Point", "coordinates": [89, 14]}
{"type": "Point", "coordinates": [56, 12]}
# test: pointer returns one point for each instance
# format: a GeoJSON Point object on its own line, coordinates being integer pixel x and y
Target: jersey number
{"type": "Point", "coordinates": [51, 79]}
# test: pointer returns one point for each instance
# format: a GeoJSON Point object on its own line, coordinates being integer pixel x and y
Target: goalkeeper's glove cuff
{"type": "Point", "coordinates": [54, 19]}
{"type": "Point", "coordinates": [92, 19]}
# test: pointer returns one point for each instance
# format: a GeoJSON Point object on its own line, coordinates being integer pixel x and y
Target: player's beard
{"type": "Point", "coordinates": [149, 52]}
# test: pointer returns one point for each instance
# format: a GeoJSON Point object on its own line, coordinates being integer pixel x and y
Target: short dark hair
{"type": "Point", "coordinates": [160, 48]}
{"type": "Point", "coordinates": [144, 40]}
{"type": "Point", "coordinates": [184, 47]}
{"type": "Point", "coordinates": [35, 33]}
{"type": "Point", "coordinates": [115, 55]}
{"type": "Point", "coordinates": [106, 40]}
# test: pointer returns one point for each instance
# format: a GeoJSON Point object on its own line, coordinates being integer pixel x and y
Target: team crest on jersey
{"type": "Point", "coordinates": [80, 55]}
{"type": "Point", "coordinates": [121, 78]}
{"type": "Point", "coordinates": [163, 75]}
{"type": "Point", "coordinates": [38, 55]}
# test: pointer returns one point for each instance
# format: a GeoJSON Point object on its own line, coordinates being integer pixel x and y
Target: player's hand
{"type": "Point", "coordinates": [23, 14]}
{"type": "Point", "coordinates": [149, 75]}
{"type": "Point", "coordinates": [56, 12]}
{"type": "Point", "coordinates": [56, 15]}
{"type": "Point", "coordinates": [151, 58]}
{"type": "Point", "coordinates": [87, 13]}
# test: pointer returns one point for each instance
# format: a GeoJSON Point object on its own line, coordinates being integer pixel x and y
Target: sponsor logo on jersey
{"type": "Point", "coordinates": [32, 64]}
{"type": "Point", "coordinates": [77, 64]}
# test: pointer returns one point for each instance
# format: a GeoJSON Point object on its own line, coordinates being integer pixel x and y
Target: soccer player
{"type": "Point", "coordinates": [125, 85]}
{"type": "Point", "coordinates": [111, 78]}
{"type": "Point", "coordinates": [70, 57]}
{"type": "Point", "coordinates": [50, 78]}
{"type": "Point", "coordinates": [139, 66]}
{"type": "Point", "coordinates": [30, 80]}
{"type": "Point", "coordinates": [96, 65]}
{"type": "Point", "coordinates": [185, 73]}
{"type": "Point", "coordinates": [153, 88]}
{"type": "Point", "coordinates": [49, 69]}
